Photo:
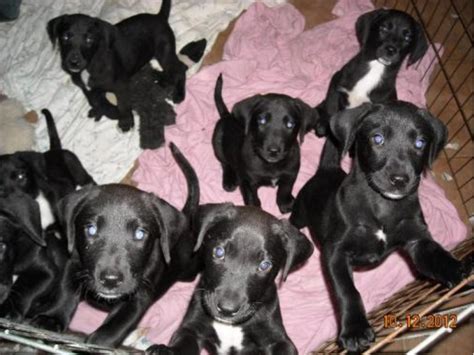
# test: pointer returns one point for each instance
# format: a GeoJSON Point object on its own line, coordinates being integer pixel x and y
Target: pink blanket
{"type": "Point", "coordinates": [269, 52]}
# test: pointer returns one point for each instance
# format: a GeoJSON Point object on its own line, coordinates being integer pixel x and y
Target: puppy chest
{"type": "Point", "coordinates": [367, 245]}
{"type": "Point", "coordinates": [361, 90]}
{"type": "Point", "coordinates": [46, 212]}
{"type": "Point", "coordinates": [230, 337]}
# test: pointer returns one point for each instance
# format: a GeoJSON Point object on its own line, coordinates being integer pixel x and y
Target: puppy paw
{"type": "Point", "coordinates": [9, 312]}
{"type": "Point", "coordinates": [126, 124]}
{"type": "Point", "coordinates": [286, 205]}
{"type": "Point", "coordinates": [229, 181]}
{"type": "Point", "coordinates": [95, 114]}
{"type": "Point", "coordinates": [357, 337]}
{"type": "Point", "coordinates": [452, 272]}
{"type": "Point", "coordinates": [321, 128]}
{"type": "Point", "coordinates": [159, 350]}
{"type": "Point", "coordinates": [47, 322]}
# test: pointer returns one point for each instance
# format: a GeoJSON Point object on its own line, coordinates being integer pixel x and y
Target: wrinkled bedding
{"type": "Point", "coordinates": [30, 71]}
{"type": "Point", "coordinates": [269, 51]}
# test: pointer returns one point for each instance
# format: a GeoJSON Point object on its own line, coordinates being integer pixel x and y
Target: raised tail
{"type": "Point", "coordinates": [165, 9]}
{"type": "Point", "coordinates": [221, 107]}
{"type": "Point", "coordinates": [192, 202]}
{"type": "Point", "coordinates": [54, 141]}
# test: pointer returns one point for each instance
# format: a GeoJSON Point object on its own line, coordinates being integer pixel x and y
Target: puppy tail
{"type": "Point", "coordinates": [192, 202]}
{"type": "Point", "coordinates": [54, 141]}
{"type": "Point", "coordinates": [221, 107]}
{"type": "Point", "coordinates": [165, 9]}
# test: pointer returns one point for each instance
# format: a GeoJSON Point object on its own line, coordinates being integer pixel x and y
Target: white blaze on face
{"type": "Point", "coordinates": [361, 90]}
{"type": "Point", "coordinates": [230, 336]}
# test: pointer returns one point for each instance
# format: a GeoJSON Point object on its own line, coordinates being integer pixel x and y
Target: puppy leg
{"type": "Point", "coordinates": [125, 108]}
{"type": "Point", "coordinates": [355, 333]}
{"type": "Point", "coordinates": [284, 197]}
{"type": "Point", "coordinates": [249, 193]}
{"type": "Point", "coordinates": [184, 341]}
{"type": "Point", "coordinates": [433, 261]}
{"type": "Point", "coordinates": [229, 178]}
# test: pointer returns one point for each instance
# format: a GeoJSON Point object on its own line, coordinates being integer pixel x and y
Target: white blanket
{"type": "Point", "coordinates": [30, 71]}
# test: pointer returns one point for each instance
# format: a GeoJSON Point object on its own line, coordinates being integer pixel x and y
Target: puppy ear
{"type": "Point", "coordinates": [210, 214]}
{"type": "Point", "coordinates": [308, 115]}
{"type": "Point", "coordinates": [23, 212]}
{"type": "Point", "coordinates": [344, 124]}
{"type": "Point", "coordinates": [109, 32]}
{"type": "Point", "coordinates": [243, 111]}
{"type": "Point", "coordinates": [194, 50]}
{"type": "Point", "coordinates": [439, 135]}
{"type": "Point", "coordinates": [420, 45]}
{"type": "Point", "coordinates": [69, 207]}
{"type": "Point", "coordinates": [171, 223]}
{"type": "Point", "coordinates": [53, 28]}
{"type": "Point", "coordinates": [364, 22]}
{"type": "Point", "coordinates": [298, 248]}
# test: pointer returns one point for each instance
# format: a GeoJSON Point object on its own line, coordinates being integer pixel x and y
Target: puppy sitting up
{"type": "Point", "coordinates": [257, 144]}
{"type": "Point", "coordinates": [359, 218]}
{"type": "Point", "coordinates": [235, 308]}
{"type": "Point", "coordinates": [127, 248]}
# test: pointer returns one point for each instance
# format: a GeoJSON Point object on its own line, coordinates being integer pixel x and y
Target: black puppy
{"type": "Point", "coordinates": [101, 57]}
{"type": "Point", "coordinates": [235, 308]}
{"type": "Point", "coordinates": [257, 144]}
{"type": "Point", "coordinates": [360, 218]}
{"type": "Point", "coordinates": [386, 37]}
{"type": "Point", "coordinates": [127, 248]}
{"type": "Point", "coordinates": [45, 177]}
{"type": "Point", "coordinates": [25, 256]}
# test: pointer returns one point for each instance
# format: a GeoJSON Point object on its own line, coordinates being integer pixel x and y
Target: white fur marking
{"type": "Point", "coordinates": [393, 196]}
{"type": "Point", "coordinates": [381, 235]}
{"type": "Point", "coordinates": [186, 60]}
{"type": "Point", "coordinates": [230, 337]}
{"type": "Point", "coordinates": [361, 90]}
{"type": "Point", "coordinates": [274, 182]}
{"type": "Point", "coordinates": [46, 213]}
{"type": "Point", "coordinates": [156, 65]}
{"type": "Point", "coordinates": [85, 78]}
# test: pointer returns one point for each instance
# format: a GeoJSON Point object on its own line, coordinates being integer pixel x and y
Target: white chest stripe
{"type": "Point", "coordinates": [381, 235]}
{"type": "Point", "coordinates": [361, 90]}
{"type": "Point", "coordinates": [230, 337]}
{"type": "Point", "coordinates": [46, 213]}
{"type": "Point", "coordinates": [85, 79]}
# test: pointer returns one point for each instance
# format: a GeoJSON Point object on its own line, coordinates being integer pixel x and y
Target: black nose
{"type": "Point", "coordinates": [390, 50]}
{"type": "Point", "coordinates": [74, 61]}
{"type": "Point", "coordinates": [398, 180]}
{"type": "Point", "coordinates": [110, 279]}
{"type": "Point", "coordinates": [228, 307]}
{"type": "Point", "coordinates": [274, 150]}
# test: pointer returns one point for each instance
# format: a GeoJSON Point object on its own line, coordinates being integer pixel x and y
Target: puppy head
{"type": "Point", "coordinates": [394, 143]}
{"type": "Point", "coordinates": [121, 236]}
{"type": "Point", "coordinates": [79, 37]}
{"type": "Point", "coordinates": [273, 123]}
{"type": "Point", "coordinates": [244, 248]}
{"type": "Point", "coordinates": [21, 172]}
{"type": "Point", "coordinates": [19, 220]}
{"type": "Point", "coordinates": [390, 35]}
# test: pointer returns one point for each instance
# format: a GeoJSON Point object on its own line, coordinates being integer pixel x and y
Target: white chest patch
{"type": "Point", "coordinates": [85, 78]}
{"type": "Point", "coordinates": [361, 90]}
{"type": "Point", "coordinates": [155, 64]}
{"type": "Point", "coordinates": [230, 337]}
{"type": "Point", "coordinates": [46, 213]}
{"type": "Point", "coordinates": [274, 182]}
{"type": "Point", "coordinates": [381, 235]}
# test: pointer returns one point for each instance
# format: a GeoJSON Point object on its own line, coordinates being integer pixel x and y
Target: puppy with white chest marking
{"type": "Point", "coordinates": [257, 144]}
{"type": "Point", "coordinates": [234, 308]}
{"type": "Point", "coordinates": [45, 177]}
{"type": "Point", "coordinates": [127, 248]}
{"type": "Point", "coordinates": [359, 218]}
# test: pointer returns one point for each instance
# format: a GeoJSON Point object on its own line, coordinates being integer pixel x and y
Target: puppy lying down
{"type": "Point", "coordinates": [127, 248]}
{"type": "Point", "coordinates": [235, 307]}
{"type": "Point", "coordinates": [359, 218]}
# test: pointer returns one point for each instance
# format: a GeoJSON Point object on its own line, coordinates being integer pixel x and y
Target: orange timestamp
{"type": "Point", "coordinates": [414, 321]}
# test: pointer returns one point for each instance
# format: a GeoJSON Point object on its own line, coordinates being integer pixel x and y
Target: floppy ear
{"type": "Point", "coordinates": [109, 32]}
{"type": "Point", "coordinates": [420, 45]}
{"type": "Point", "coordinates": [243, 110]}
{"type": "Point", "coordinates": [439, 135]}
{"type": "Point", "coordinates": [53, 28]}
{"type": "Point", "coordinates": [308, 115]}
{"type": "Point", "coordinates": [68, 208]}
{"type": "Point", "coordinates": [170, 221]}
{"type": "Point", "coordinates": [210, 214]}
{"type": "Point", "coordinates": [344, 124]}
{"type": "Point", "coordinates": [298, 248]}
{"type": "Point", "coordinates": [364, 22]}
{"type": "Point", "coordinates": [23, 212]}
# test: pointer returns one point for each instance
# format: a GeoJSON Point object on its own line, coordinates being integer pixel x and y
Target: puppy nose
{"type": "Point", "coordinates": [110, 279]}
{"type": "Point", "coordinates": [228, 307]}
{"type": "Point", "coordinates": [274, 150]}
{"type": "Point", "coordinates": [398, 180]}
{"type": "Point", "coordinates": [391, 50]}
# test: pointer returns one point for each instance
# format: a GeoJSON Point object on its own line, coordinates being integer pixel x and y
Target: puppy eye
{"type": "Point", "coordinates": [89, 39]}
{"type": "Point", "coordinates": [262, 120]}
{"type": "Point", "coordinates": [378, 139]}
{"type": "Point", "coordinates": [420, 143]}
{"type": "Point", "coordinates": [139, 234]}
{"type": "Point", "coordinates": [3, 247]}
{"type": "Point", "coordinates": [66, 37]}
{"type": "Point", "coordinates": [383, 29]}
{"type": "Point", "coordinates": [290, 123]}
{"type": "Point", "coordinates": [91, 230]}
{"type": "Point", "coordinates": [218, 253]}
{"type": "Point", "coordinates": [265, 265]}
{"type": "Point", "coordinates": [21, 176]}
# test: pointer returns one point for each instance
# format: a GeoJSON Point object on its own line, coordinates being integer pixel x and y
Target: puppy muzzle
{"type": "Point", "coordinates": [228, 310]}
{"type": "Point", "coordinates": [75, 63]}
